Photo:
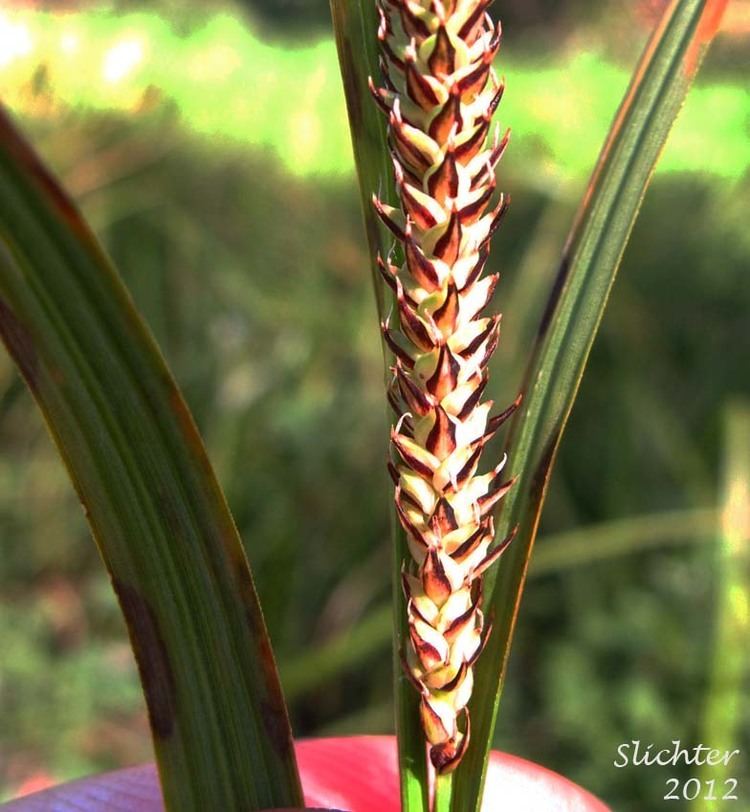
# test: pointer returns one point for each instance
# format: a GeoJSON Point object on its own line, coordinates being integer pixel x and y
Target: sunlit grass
{"type": "Point", "coordinates": [227, 83]}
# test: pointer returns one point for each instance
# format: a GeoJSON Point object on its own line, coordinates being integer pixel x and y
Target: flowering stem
{"type": "Point", "coordinates": [443, 793]}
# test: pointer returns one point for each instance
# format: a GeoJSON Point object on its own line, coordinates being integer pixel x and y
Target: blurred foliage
{"type": "Point", "coordinates": [302, 17]}
{"type": "Point", "coordinates": [224, 80]}
{"type": "Point", "coordinates": [255, 282]}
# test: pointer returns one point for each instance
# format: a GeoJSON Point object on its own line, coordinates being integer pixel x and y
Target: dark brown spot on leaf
{"type": "Point", "coordinates": [152, 658]}
{"type": "Point", "coordinates": [19, 344]}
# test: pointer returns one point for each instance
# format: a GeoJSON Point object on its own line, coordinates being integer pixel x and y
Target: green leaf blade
{"type": "Point", "coordinates": [567, 332]}
{"type": "Point", "coordinates": [221, 733]}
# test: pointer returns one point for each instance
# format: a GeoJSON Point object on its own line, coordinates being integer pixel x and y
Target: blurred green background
{"type": "Point", "coordinates": [208, 146]}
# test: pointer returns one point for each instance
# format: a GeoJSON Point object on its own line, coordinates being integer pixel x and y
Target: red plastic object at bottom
{"type": "Point", "coordinates": [355, 774]}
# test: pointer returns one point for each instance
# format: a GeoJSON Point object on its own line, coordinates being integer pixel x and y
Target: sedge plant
{"type": "Point", "coordinates": [220, 729]}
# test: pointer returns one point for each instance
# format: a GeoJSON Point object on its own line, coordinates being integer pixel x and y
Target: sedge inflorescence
{"type": "Point", "coordinates": [439, 93]}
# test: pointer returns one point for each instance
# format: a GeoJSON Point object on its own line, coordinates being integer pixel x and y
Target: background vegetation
{"type": "Point", "coordinates": [210, 153]}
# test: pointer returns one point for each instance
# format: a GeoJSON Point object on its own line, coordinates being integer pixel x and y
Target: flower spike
{"type": "Point", "coordinates": [440, 93]}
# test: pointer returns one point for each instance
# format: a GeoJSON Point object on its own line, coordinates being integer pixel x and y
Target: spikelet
{"type": "Point", "coordinates": [439, 96]}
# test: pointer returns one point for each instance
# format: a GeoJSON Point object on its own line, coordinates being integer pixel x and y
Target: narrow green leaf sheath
{"type": "Point", "coordinates": [439, 94]}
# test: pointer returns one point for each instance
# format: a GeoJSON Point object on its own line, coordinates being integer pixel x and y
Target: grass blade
{"type": "Point", "coordinates": [221, 734]}
{"type": "Point", "coordinates": [726, 707]}
{"type": "Point", "coordinates": [568, 328]}
{"type": "Point", "coordinates": [355, 26]}
{"type": "Point", "coordinates": [596, 543]}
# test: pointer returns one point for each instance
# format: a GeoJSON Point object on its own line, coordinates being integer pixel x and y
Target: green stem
{"type": "Point", "coordinates": [443, 793]}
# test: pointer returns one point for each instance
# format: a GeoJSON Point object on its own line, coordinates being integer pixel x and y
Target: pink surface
{"type": "Point", "coordinates": [357, 774]}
